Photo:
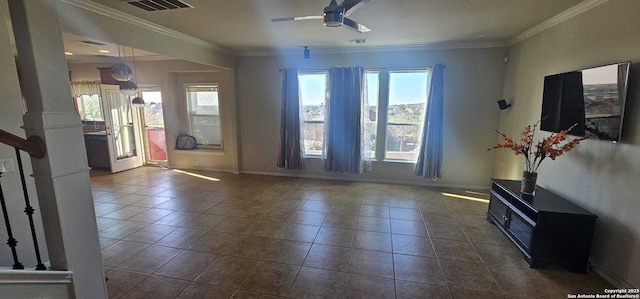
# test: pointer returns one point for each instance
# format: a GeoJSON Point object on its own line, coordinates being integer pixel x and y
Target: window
{"type": "Point", "coordinates": [204, 114]}
{"type": "Point", "coordinates": [407, 99]}
{"type": "Point", "coordinates": [394, 108]}
{"type": "Point", "coordinates": [372, 92]}
{"type": "Point", "coordinates": [89, 108]}
{"type": "Point", "coordinates": [313, 95]}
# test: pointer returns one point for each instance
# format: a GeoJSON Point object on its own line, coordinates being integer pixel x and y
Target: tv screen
{"type": "Point", "coordinates": [592, 99]}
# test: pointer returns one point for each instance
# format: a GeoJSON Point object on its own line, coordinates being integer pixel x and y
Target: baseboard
{"type": "Point", "coordinates": [610, 277]}
{"type": "Point", "coordinates": [35, 277]}
{"type": "Point", "coordinates": [366, 180]}
{"type": "Point", "coordinates": [427, 183]}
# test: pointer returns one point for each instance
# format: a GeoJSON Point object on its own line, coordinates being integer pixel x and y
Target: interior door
{"type": "Point", "coordinates": [123, 137]}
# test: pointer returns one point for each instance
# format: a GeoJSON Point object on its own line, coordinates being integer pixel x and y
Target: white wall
{"type": "Point", "coordinates": [473, 82]}
{"type": "Point", "coordinates": [171, 75]}
{"type": "Point", "coordinates": [11, 112]}
{"type": "Point", "coordinates": [95, 25]}
{"type": "Point", "coordinates": [599, 176]}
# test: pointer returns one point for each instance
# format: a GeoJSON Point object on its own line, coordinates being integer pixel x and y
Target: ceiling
{"type": "Point", "coordinates": [245, 26]}
{"type": "Point", "coordinates": [77, 48]}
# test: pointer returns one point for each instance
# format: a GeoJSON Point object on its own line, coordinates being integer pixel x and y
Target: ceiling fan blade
{"type": "Point", "coordinates": [297, 18]}
{"type": "Point", "coordinates": [350, 6]}
{"type": "Point", "coordinates": [351, 24]}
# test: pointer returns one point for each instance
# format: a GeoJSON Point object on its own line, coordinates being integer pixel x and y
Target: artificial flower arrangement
{"type": "Point", "coordinates": [551, 146]}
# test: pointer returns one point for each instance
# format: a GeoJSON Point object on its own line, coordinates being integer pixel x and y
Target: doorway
{"type": "Point", "coordinates": [152, 120]}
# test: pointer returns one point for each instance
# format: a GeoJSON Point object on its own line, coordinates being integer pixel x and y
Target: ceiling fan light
{"type": "Point", "coordinates": [333, 20]}
{"type": "Point", "coordinates": [121, 72]}
{"type": "Point", "coordinates": [128, 88]}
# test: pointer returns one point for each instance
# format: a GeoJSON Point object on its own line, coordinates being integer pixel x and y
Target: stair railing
{"type": "Point", "coordinates": [35, 147]}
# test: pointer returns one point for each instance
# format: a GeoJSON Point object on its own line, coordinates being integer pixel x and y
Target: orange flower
{"type": "Point", "coordinates": [550, 146]}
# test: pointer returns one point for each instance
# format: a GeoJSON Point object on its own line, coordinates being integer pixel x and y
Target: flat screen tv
{"type": "Point", "coordinates": [592, 99]}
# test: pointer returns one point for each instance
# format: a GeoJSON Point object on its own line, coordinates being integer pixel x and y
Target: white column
{"type": "Point", "coordinates": [62, 177]}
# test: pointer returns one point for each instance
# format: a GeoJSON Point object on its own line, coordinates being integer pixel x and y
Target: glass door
{"type": "Point", "coordinates": [122, 124]}
{"type": "Point", "coordinates": [153, 124]}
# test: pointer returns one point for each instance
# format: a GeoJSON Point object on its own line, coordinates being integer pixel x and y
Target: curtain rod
{"type": "Point", "coordinates": [374, 68]}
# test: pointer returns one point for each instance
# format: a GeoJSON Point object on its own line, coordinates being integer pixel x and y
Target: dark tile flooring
{"type": "Point", "coordinates": [195, 234]}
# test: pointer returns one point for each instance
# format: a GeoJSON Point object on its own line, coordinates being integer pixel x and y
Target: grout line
{"type": "Point", "coordinates": [444, 279]}
{"type": "Point", "coordinates": [288, 222]}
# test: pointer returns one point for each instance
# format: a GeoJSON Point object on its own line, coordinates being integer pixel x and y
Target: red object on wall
{"type": "Point", "coordinates": [157, 144]}
{"type": "Point", "coordinates": [105, 76]}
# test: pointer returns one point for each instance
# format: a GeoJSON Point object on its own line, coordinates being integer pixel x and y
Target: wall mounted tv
{"type": "Point", "coordinates": [593, 99]}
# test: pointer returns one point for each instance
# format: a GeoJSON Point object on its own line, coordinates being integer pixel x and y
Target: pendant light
{"type": "Point", "coordinates": [137, 102]}
{"type": "Point", "coordinates": [129, 87]}
{"type": "Point", "coordinates": [120, 71]}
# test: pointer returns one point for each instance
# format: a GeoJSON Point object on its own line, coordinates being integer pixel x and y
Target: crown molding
{"type": "Point", "coordinates": [557, 19]}
{"type": "Point", "coordinates": [139, 22]}
{"type": "Point", "coordinates": [136, 21]}
{"type": "Point", "coordinates": [345, 50]}
{"type": "Point", "coordinates": [109, 59]}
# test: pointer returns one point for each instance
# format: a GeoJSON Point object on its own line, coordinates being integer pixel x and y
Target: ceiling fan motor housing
{"type": "Point", "coordinates": [333, 16]}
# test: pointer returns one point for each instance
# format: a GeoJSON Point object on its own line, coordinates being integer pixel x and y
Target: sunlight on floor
{"type": "Point", "coordinates": [477, 193]}
{"type": "Point", "coordinates": [196, 175]}
{"type": "Point", "coordinates": [465, 197]}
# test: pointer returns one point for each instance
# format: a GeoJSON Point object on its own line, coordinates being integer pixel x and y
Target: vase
{"type": "Point", "coordinates": [529, 179]}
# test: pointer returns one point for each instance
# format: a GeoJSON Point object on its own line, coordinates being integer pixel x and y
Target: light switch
{"type": "Point", "coordinates": [6, 165]}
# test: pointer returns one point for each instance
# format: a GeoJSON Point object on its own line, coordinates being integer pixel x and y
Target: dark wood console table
{"type": "Point", "coordinates": [546, 227]}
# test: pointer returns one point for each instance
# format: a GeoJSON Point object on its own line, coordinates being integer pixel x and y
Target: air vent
{"type": "Point", "coordinates": [91, 43]}
{"type": "Point", "coordinates": [156, 5]}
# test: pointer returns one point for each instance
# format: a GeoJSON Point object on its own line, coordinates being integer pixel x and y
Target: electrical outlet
{"type": "Point", "coordinates": [6, 165]}
{"type": "Point", "coordinates": [197, 163]}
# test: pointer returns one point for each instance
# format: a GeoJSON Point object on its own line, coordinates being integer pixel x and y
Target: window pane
{"type": "Point", "coordinates": [89, 108]}
{"type": "Point", "coordinates": [313, 138]}
{"type": "Point", "coordinates": [206, 129]}
{"type": "Point", "coordinates": [153, 109]}
{"type": "Point", "coordinates": [402, 141]}
{"type": "Point", "coordinates": [372, 79]}
{"type": "Point", "coordinates": [407, 101]}
{"type": "Point", "coordinates": [122, 128]}
{"type": "Point", "coordinates": [204, 114]}
{"type": "Point", "coordinates": [203, 100]}
{"type": "Point", "coordinates": [313, 94]}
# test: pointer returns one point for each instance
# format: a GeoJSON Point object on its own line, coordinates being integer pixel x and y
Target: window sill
{"type": "Point", "coordinates": [400, 161]}
{"type": "Point", "coordinates": [201, 151]}
{"type": "Point", "coordinates": [372, 160]}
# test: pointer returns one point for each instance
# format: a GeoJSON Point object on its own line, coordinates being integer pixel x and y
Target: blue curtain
{"type": "Point", "coordinates": [429, 164]}
{"type": "Point", "coordinates": [344, 149]}
{"type": "Point", "coordinates": [291, 148]}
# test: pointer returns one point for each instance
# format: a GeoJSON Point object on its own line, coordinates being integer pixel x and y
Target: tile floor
{"type": "Point", "coordinates": [173, 234]}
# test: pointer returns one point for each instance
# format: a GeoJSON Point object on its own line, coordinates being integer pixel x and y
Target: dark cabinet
{"type": "Point", "coordinates": [97, 150]}
{"type": "Point", "coordinates": [546, 227]}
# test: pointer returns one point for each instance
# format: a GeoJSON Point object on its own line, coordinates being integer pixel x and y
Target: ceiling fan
{"type": "Point", "coordinates": [335, 15]}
